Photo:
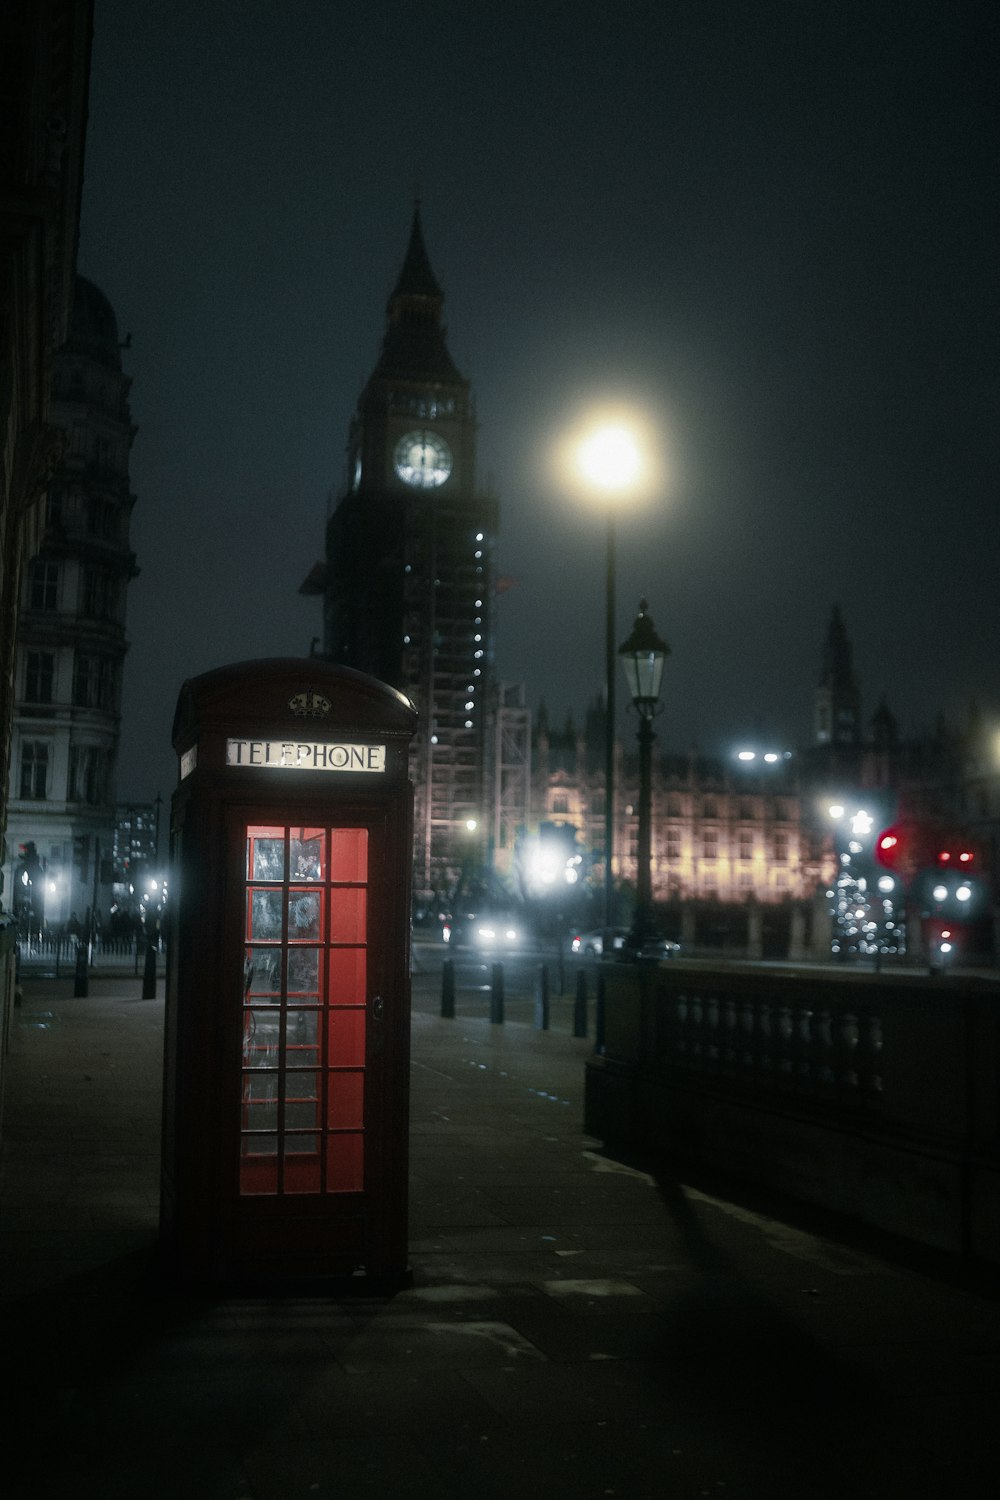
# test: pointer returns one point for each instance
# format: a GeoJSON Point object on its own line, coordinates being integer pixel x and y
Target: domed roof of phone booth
{"type": "Point", "coordinates": [274, 695]}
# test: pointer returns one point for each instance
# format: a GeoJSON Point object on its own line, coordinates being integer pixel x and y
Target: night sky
{"type": "Point", "coordinates": [772, 226]}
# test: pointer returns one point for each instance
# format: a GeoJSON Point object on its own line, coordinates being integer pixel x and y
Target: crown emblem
{"type": "Point", "coordinates": [309, 705]}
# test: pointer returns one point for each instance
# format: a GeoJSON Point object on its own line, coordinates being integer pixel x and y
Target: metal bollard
{"type": "Point", "coordinates": [448, 989]}
{"type": "Point", "coordinates": [80, 976]}
{"type": "Point", "coordinates": [599, 1014]}
{"type": "Point", "coordinates": [496, 995]}
{"type": "Point", "coordinates": [149, 974]}
{"type": "Point", "coordinates": [580, 1004]}
{"type": "Point", "coordinates": [542, 998]}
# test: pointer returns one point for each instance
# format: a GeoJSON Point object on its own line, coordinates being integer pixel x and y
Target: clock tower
{"type": "Point", "coordinates": [838, 702]}
{"type": "Point", "coordinates": [408, 580]}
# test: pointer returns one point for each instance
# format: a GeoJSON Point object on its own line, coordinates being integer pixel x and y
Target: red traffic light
{"type": "Point", "coordinates": [891, 846]}
{"type": "Point", "coordinates": [951, 856]}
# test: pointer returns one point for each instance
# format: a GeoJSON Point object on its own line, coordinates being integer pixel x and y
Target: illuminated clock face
{"type": "Point", "coordinates": [423, 459]}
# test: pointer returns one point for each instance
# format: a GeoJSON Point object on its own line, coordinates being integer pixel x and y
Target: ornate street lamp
{"type": "Point", "coordinates": [643, 655]}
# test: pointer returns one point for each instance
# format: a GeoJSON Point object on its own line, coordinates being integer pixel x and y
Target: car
{"type": "Point", "coordinates": [487, 932]}
{"type": "Point", "coordinates": [661, 948]}
{"type": "Point", "coordinates": [591, 944]}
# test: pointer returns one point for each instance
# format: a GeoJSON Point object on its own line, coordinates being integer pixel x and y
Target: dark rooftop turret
{"type": "Point", "coordinates": [93, 328]}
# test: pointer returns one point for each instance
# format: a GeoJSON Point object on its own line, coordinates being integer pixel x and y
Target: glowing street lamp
{"type": "Point", "coordinates": [769, 757]}
{"type": "Point", "coordinates": [468, 872]}
{"type": "Point", "coordinates": [610, 458]}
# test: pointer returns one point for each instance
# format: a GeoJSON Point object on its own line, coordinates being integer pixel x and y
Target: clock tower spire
{"type": "Point", "coordinates": [417, 281]}
{"type": "Point", "coordinates": [838, 702]}
{"type": "Point", "coordinates": [408, 585]}
{"type": "Point", "coordinates": [414, 346]}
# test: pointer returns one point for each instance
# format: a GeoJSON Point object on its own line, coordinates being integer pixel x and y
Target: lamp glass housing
{"type": "Point", "coordinates": [643, 655]}
{"type": "Point", "coordinates": [644, 673]}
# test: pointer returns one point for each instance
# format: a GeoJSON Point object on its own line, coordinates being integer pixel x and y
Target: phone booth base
{"type": "Point", "coordinates": [285, 1142]}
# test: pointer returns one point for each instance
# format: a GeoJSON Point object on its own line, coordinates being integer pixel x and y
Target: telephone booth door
{"type": "Point", "coordinates": [305, 1013]}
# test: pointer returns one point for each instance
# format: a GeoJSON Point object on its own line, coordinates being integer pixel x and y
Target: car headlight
{"type": "Point", "coordinates": [511, 934]}
{"type": "Point", "coordinates": [486, 934]}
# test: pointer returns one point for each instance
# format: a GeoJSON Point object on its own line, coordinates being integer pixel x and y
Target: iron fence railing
{"type": "Point", "coordinates": [57, 956]}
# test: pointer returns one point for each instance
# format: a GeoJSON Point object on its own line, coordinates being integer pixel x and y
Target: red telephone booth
{"type": "Point", "coordinates": [285, 1137]}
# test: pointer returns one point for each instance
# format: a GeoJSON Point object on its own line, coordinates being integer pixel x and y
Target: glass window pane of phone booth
{"type": "Point", "coordinates": [304, 1008]}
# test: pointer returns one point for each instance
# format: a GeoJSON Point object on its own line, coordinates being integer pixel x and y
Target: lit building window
{"type": "Point", "coordinates": [45, 585]}
{"type": "Point", "coordinates": [88, 766]}
{"type": "Point", "coordinates": [34, 770]}
{"type": "Point", "coordinates": [99, 597]}
{"type": "Point", "coordinates": [93, 681]}
{"type": "Point", "coordinates": [38, 676]}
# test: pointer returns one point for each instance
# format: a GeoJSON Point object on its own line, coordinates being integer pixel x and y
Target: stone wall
{"type": "Point", "coordinates": [872, 1095]}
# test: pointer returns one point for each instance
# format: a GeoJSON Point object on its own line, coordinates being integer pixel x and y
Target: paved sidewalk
{"type": "Point", "coordinates": [576, 1328]}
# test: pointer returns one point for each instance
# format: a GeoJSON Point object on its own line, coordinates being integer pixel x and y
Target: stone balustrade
{"type": "Point", "coordinates": [873, 1095]}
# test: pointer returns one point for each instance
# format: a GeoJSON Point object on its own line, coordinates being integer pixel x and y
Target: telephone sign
{"type": "Point", "coordinates": [299, 755]}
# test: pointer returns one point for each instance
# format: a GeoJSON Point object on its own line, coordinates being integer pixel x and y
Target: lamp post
{"type": "Point", "coordinates": [607, 941]}
{"type": "Point", "coordinates": [643, 655]}
{"type": "Point", "coordinates": [609, 460]}
{"type": "Point", "coordinates": [469, 868]}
